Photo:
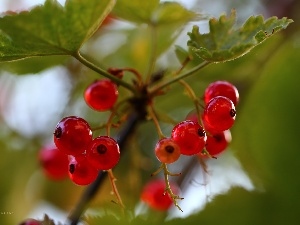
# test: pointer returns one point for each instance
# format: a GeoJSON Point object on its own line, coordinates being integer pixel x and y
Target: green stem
{"type": "Point", "coordinates": [172, 80]}
{"type": "Point", "coordinates": [103, 72]}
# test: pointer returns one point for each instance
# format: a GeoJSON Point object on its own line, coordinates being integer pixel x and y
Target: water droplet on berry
{"type": "Point", "coordinates": [101, 149]}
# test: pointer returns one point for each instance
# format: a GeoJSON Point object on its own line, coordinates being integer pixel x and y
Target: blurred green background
{"type": "Point", "coordinates": [265, 136]}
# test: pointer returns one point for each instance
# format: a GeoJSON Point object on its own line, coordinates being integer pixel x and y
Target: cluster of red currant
{"type": "Point", "coordinates": [204, 133]}
{"type": "Point", "coordinates": [77, 153]}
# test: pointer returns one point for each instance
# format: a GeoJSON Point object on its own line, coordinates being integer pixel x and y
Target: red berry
{"type": "Point", "coordinates": [54, 163]}
{"type": "Point", "coordinates": [217, 143]}
{"type": "Point", "coordinates": [192, 115]}
{"type": "Point", "coordinates": [221, 88]}
{"type": "Point", "coordinates": [219, 114]}
{"type": "Point", "coordinates": [167, 151]}
{"type": "Point", "coordinates": [101, 95]}
{"type": "Point", "coordinates": [72, 135]}
{"type": "Point", "coordinates": [103, 153]}
{"type": "Point", "coordinates": [155, 196]}
{"type": "Point", "coordinates": [190, 137]}
{"type": "Point", "coordinates": [81, 172]}
{"type": "Point", "coordinates": [31, 222]}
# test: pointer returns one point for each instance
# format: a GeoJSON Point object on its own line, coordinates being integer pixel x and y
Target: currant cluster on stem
{"type": "Point", "coordinates": [86, 156]}
{"type": "Point", "coordinates": [204, 133]}
{"type": "Point", "coordinates": [77, 154]}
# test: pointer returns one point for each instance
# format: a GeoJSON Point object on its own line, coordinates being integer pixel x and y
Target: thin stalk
{"type": "Point", "coordinates": [156, 123]}
{"type": "Point", "coordinates": [115, 189]}
{"type": "Point", "coordinates": [172, 80]}
{"type": "Point", "coordinates": [193, 96]}
{"type": "Point", "coordinates": [104, 73]}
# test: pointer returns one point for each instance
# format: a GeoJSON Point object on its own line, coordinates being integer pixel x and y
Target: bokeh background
{"type": "Point", "coordinates": [255, 182]}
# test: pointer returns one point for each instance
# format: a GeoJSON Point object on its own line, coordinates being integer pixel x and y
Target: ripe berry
{"type": "Point", "coordinates": [54, 163]}
{"type": "Point", "coordinates": [221, 88]}
{"type": "Point", "coordinates": [167, 151]}
{"type": "Point", "coordinates": [81, 172]}
{"type": "Point", "coordinates": [155, 196]}
{"type": "Point", "coordinates": [190, 137]}
{"type": "Point", "coordinates": [217, 143]}
{"type": "Point", "coordinates": [101, 95]}
{"type": "Point", "coordinates": [31, 222]}
{"type": "Point", "coordinates": [103, 153]}
{"type": "Point", "coordinates": [72, 135]}
{"type": "Point", "coordinates": [219, 113]}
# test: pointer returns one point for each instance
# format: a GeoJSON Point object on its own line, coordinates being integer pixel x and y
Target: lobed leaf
{"type": "Point", "coordinates": [51, 29]}
{"type": "Point", "coordinates": [225, 42]}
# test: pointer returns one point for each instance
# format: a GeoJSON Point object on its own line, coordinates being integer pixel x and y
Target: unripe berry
{"type": "Point", "coordinates": [72, 135]}
{"type": "Point", "coordinates": [190, 137]}
{"type": "Point", "coordinates": [167, 151]}
{"type": "Point", "coordinates": [101, 95]}
{"type": "Point", "coordinates": [103, 153]}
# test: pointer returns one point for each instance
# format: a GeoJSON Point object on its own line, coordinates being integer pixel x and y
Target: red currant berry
{"type": "Point", "coordinates": [54, 163]}
{"type": "Point", "coordinates": [190, 137]}
{"type": "Point", "coordinates": [155, 196]}
{"type": "Point", "coordinates": [103, 153]}
{"type": "Point", "coordinates": [101, 95]}
{"type": "Point", "coordinates": [219, 114]}
{"type": "Point", "coordinates": [72, 135]}
{"type": "Point", "coordinates": [221, 88]}
{"type": "Point", "coordinates": [167, 151]}
{"type": "Point", "coordinates": [81, 172]}
{"type": "Point", "coordinates": [192, 115]}
{"type": "Point", "coordinates": [217, 143]}
{"type": "Point", "coordinates": [31, 222]}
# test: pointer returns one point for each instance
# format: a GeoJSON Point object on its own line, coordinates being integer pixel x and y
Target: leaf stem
{"type": "Point", "coordinates": [153, 49]}
{"type": "Point", "coordinates": [172, 80]}
{"type": "Point", "coordinates": [104, 73]}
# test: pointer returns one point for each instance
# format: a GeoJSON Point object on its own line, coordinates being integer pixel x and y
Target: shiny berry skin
{"type": "Point", "coordinates": [219, 113]}
{"type": "Point", "coordinates": [54, 163]}
{"type": "Point", "coordinates": [221, 88]}
{"type": "Point", "coordinates": [81, 172]}
{"type": "Point", "coordinates": [167, 151]}
{"type": "Point", "coordinates": [103, 153]}
{"type": "Point", "coordinates": [31, 222]}
{"type": "Point", "coordinates": [189, 136]}
{"type": "Point", "coordinates": [218, 142]}
{"type": "Point", "coordinates": [101, 95]}
{"type": "Point", "coordinates": [72, 135]}
{"type": "Point", "coordinates": [154, 195]}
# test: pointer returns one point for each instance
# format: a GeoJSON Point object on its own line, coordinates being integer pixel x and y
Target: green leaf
{"type": "Point", "coordinates": [51, 29]}
{"type": "Point", "coordinates": [33, 65]}
{"type": "Point", "coordinates": [225, 42]}
{"type": "Point", "coordinates": [153, 12]}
